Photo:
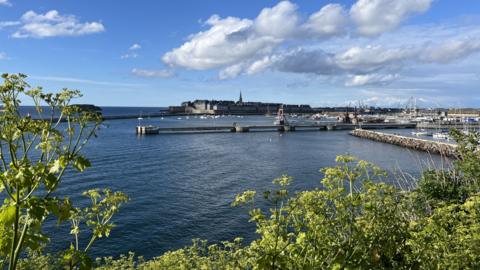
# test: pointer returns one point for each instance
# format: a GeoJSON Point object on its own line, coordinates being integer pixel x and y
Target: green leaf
{"type": "Point", "coordinates": [81, 163]}
{"type": "Point", "coordinates": [50, 181]}
{"type": "Point", "coordinates": [7, 215]}
{"type": "Point", "coordinates": [55, 167]}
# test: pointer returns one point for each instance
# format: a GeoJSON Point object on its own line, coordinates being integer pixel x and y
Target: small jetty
{"type": "Point", "coordinates": [434, 147]}
{"type": "Point", "coordinates": [154, 130]}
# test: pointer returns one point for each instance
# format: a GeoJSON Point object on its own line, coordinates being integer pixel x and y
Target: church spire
{"type": "Point", "coordinates": [240, 99]}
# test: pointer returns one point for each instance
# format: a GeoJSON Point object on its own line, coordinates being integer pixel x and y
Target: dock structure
{"type": "Point", "coordinates": [448, 125]}
{"type": "Point", "coordinates": [154, 130]}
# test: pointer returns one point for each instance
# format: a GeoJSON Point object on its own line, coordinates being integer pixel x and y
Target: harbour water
{"type": "Point", "coordinates": [181, 186]}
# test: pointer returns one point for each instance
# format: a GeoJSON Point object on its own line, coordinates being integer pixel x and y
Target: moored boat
{"type": "Point", "coordinates": [422, 133]}
{"type": "Point", "coordinates": [441, 136]}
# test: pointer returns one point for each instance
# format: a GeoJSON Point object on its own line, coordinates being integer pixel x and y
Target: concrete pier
{"type": "Point", "coordinates": [286, 128]}
{"type": "Point", "coordinates": [434, 147]}
{"type": "Point", "coordinates": [146, 130]}
{"type": "Point", "coordinates": [242, 129]}
{"type": "Point", "coordinates": [149, 130]}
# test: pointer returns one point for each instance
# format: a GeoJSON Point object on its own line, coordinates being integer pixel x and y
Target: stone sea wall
{"type": "Point", "coordinates": [444, 149]}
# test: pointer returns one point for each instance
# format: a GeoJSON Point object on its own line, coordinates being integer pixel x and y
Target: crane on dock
{"type": "Point", "coordinates": [281, 117]}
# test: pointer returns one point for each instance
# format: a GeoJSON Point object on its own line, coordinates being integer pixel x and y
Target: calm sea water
{"type": "Point", "coordinates": [181, 186]}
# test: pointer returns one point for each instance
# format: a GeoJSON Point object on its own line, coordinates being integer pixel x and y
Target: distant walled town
{"type": "Point", "coordinates": [236, 107]}
{"type": "Point", "coordinates": [203, 106]}
{"type": "Point", "coordinates": [346, 114]}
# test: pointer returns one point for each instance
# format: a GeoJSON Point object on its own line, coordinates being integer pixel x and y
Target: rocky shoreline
{"type": "Point", "coordinates": [444, 149]}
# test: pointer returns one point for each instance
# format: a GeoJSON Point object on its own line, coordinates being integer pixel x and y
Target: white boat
{"type": "Point", "coordinates": [323, 118]}
{"type": "Point", "coordinates": [421, 133]}
{"type": "Point", "coordinates": [441, 136]}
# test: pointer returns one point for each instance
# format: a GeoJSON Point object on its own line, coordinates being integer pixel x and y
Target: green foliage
{"type": "Point", "coordinates": [354, 221]}
{"type": "Point", "coordinates": [456, 184]}
{"type": "Point", "coordinates": [438, 186]}
{"type": "Point", "coordinates": [35, 153]}
{"type": "Point", "coordinates": [226, 255]}
{"type": "Point", "coordinates": [447, 239]}
{"type": "Point", "coordinates": [468, 163]}
{"type": "Point", "coordinates": [335, 227]}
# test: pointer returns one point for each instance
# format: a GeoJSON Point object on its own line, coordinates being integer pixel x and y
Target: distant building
{"type": "Point", "coordinates": [240, 99]}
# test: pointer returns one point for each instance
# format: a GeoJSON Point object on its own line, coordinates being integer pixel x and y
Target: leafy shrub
{"type": "Point", "coordinates": [35, 154]}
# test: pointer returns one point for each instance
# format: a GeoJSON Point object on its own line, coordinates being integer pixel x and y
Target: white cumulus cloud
{"type": "Point", "coordinates": [132, 54]}
{"type": "Point", "coordinates": [450, 50]}
{"type": "Point", "coordinates": [280, 21]}
{"type": "Point", "coordinates": [281, 39]}
{"type": "Point", "coordinates": [370, 58]}
{"type": "Point", "coordinates": [227, 42]}
{"type": "Point", "coordinates": [329, 21]}
{"type": "Point", "coordinates": [3, 56]}
{"type": "Point", "coordinates": [371, 79]}
{"type": "Point", "coordinates": [230, 41]}
{"type": "Point", "coordinates": [374, 17]}
{"type": "Point", "coordinates": [230, 72]}
{"type": "Point", "coordinates": [261, 64]}
{"type": "Point", "coordinates": [362, 65]}
{"type": "Point", "coordinates": [52, 24]}
{"type": "Point", "coordinates": [306, 61]}
{"type": "Point", "coordinates": [135, 46]}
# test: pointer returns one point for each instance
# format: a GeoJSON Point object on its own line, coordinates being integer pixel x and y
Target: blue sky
{"type": "Point", "coordinates": [158, 53]}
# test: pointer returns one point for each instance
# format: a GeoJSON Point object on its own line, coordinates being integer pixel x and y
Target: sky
{"type": "Point", "coordinates": [322, 53]}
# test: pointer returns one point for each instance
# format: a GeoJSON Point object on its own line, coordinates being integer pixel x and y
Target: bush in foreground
{"type": "Point", "coordinates": [36, 152]}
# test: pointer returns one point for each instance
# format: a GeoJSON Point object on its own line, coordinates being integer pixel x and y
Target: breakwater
{"type": "Point", "coordinates": [442, 148]}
